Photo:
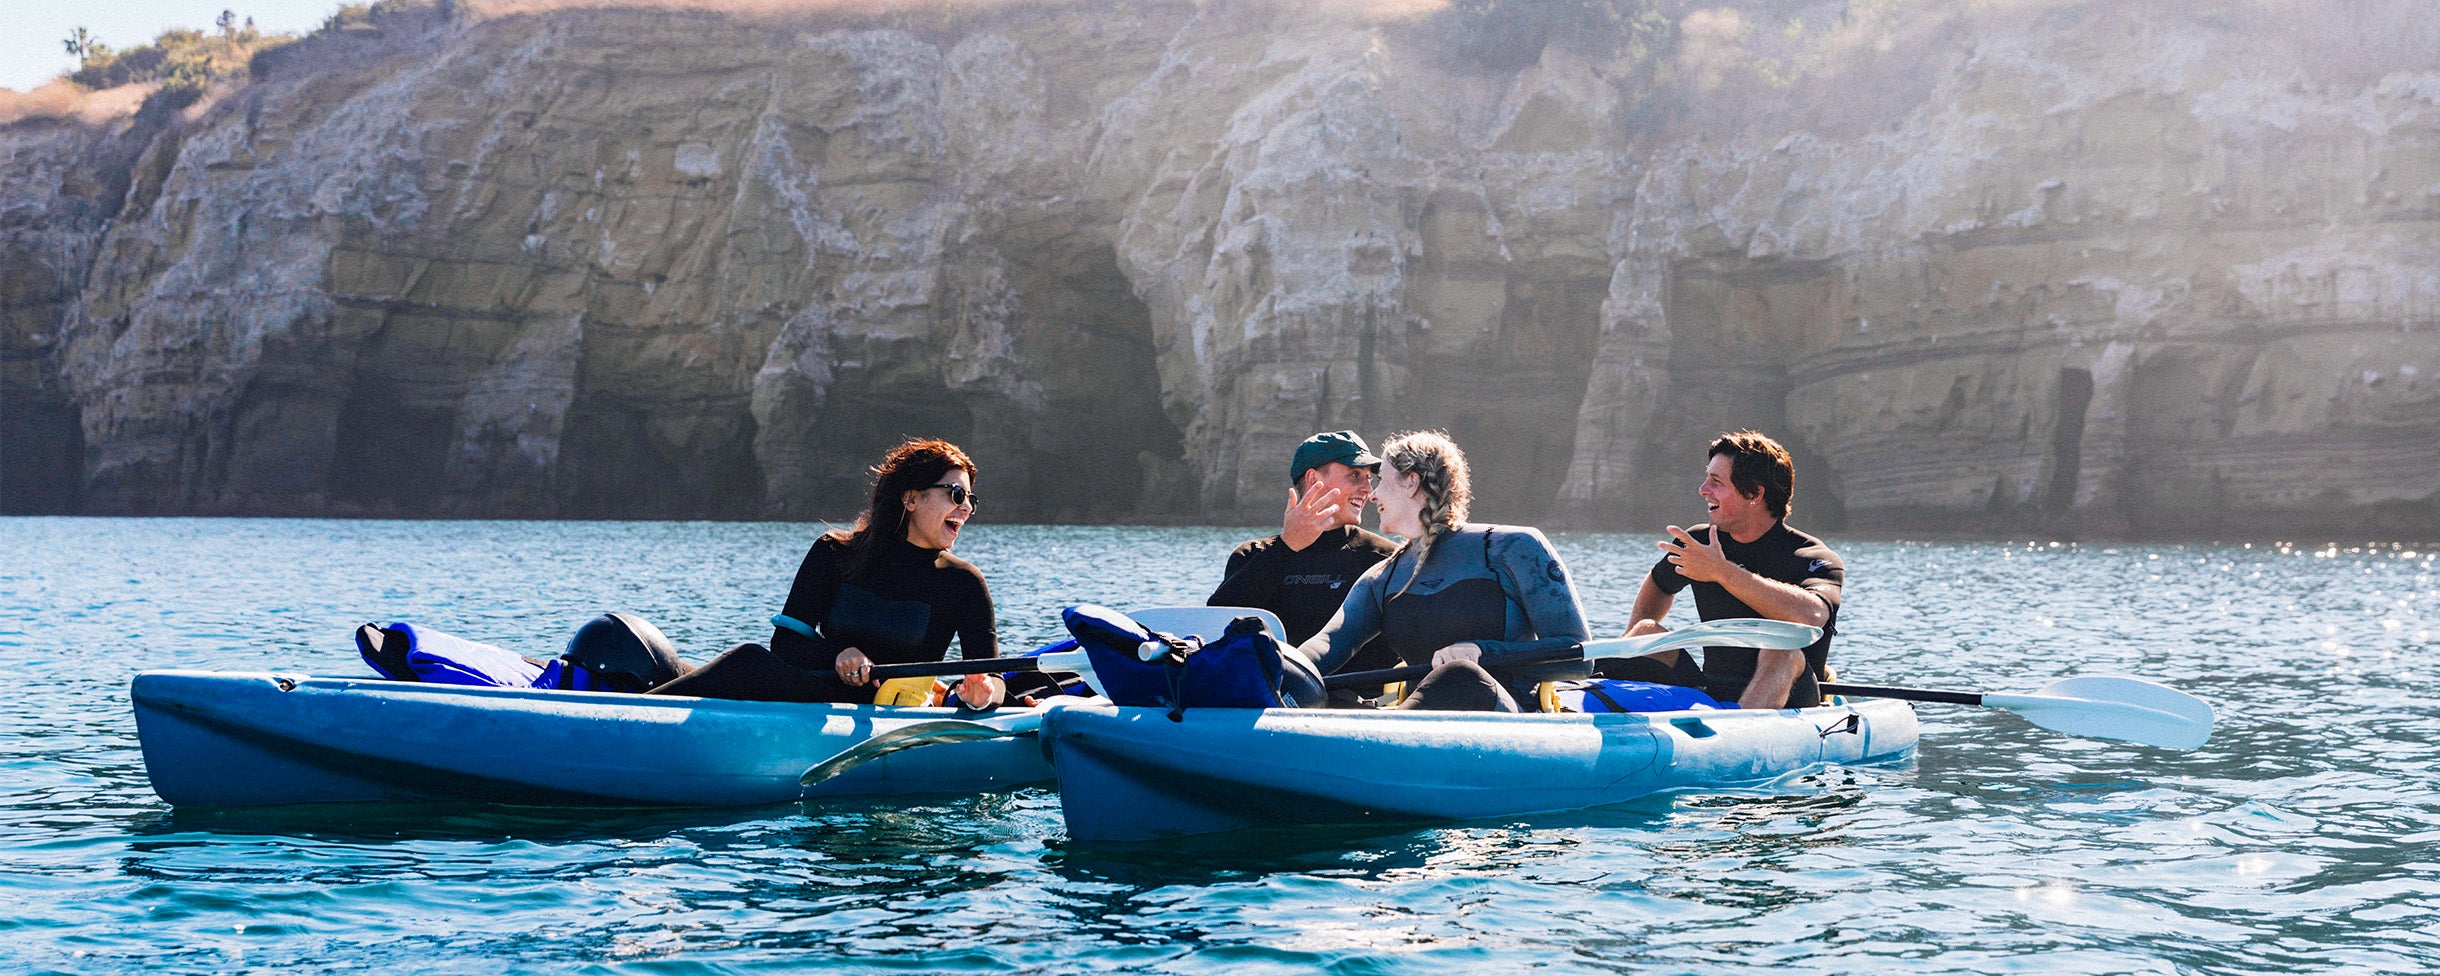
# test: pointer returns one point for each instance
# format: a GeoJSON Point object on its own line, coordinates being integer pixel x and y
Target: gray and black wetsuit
{"type": "Point", "coordinates": [1498, 586]}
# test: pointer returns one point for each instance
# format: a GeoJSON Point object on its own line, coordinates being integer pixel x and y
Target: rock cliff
{"type": "Point", "coordinates": [2033, 267]}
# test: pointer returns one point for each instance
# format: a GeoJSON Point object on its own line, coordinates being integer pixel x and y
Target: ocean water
{"type": "Point", "coordinates": [2304, 838]}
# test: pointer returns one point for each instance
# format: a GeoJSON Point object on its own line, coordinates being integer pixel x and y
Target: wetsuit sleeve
{"type": "Point", "coordinates": [978, 631]}
{"type": "Point", "coordinates": [1825, 574]}
{"type": "Point", "coordinates": [1358, 620]}
{"type": "Point", "coordinates": [1252, 578]}
{"type": "Point", "coordinates": [809, 601]}
{"type": "Point", "coordinates": [1538, 582]}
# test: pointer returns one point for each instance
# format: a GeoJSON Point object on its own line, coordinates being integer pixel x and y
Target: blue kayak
{"type": "Point", "coordinates": [1131, 773]}
{"type": "Point", "coordinates": [245, 739]}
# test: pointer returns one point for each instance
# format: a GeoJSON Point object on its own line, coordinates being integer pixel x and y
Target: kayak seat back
{"type": "Point", "coordinates": [1207, 623]}
{"type": "Point", "coordinates": [620, 652]}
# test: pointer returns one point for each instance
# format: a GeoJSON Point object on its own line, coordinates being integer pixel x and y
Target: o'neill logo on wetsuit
{"type": "Point", "coordinates": [1818, 566]}
{"type": "Point", "coordinates": [1314, 579]}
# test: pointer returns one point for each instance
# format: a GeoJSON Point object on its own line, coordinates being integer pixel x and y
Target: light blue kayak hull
{"type": "Point", "coordinates": [248, 739]}
{"type": "Point", "coordinates": [1132, 774]}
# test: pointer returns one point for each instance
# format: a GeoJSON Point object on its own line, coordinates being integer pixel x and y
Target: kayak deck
{"type": "Point", "coordinates": [255, 738]}
{"type": "Point", "coordinates": [1130, 774]}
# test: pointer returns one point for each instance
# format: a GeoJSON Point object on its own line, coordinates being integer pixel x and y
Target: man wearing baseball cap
{"type": "Point", "coordinates": [1302, 574]}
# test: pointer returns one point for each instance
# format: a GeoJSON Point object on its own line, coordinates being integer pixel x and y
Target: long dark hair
{"type": "Point", "coordinates": [915, 465]}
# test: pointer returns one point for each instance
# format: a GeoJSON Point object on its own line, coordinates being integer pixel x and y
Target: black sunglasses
{"type": "Point", "coordinates": [958, 495]}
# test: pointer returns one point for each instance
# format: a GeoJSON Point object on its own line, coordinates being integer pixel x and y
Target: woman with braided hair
{"type": "Point", "coordinates": [1455, 591]}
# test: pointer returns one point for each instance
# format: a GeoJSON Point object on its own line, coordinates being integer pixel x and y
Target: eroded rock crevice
{"type": "Point", "coordinates": [1510, 395]}
{"type": "Point", "coordinates": [2067, 440]}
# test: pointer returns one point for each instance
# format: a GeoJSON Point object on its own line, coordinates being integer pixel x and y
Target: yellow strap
{"type": "Point", "coordinates": [904, 691]}
{"type": "Point", "coordinates": [1548, 692]}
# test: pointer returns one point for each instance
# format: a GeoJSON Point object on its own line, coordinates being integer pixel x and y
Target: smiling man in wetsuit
{"type": "Point", "coordinates": [1746, 562]}
{"type": "Point", "coordinates": [1302, 574]}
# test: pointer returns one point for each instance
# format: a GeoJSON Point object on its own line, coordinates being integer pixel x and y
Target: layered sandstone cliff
{"type": "Point", "coordinates": [2117, 269]}
{"type": "Point", "coordinates": [2054, 267]}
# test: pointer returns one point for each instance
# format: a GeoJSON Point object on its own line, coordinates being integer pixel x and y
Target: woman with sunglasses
{"type": "Point", "coordinates": [1453, 592]}
{"type": "Point", "coordinates": [884, 592]}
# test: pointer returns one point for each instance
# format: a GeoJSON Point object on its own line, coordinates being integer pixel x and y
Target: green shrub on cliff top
{"type": "Point", "coordinates": [180, 60]}
{"type": "Point", "coordinates": [370, 16]}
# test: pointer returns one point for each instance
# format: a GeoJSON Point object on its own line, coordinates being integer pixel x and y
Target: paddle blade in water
{"type": "Point", "coordinates": [2128, 709]}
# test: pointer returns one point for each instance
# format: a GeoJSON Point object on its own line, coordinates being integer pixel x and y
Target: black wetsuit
{"type": "Point", "coordinates": [1782, 554]}
{"type": "Point", "coordinates": [1498, 586]}
{"type": "Point", "coordinates": [1305, 587]}
{"type": "Point", "coordinates": [903, 610]}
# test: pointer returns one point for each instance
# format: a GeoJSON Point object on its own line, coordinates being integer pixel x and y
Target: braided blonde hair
{"type": "Point", "coordinates": [1440, 469]}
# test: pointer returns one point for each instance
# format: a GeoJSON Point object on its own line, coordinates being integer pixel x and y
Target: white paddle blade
{"type": "Point", "coordinates": [1753, 632]}
{"type": "Point", "coordinates": [1078, 663]}
{"type": "Point", "coordinates": [2110, 707]}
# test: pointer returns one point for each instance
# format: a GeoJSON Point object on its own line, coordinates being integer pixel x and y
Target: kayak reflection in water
{"type": "Point", "coordinates": [1454, 592]}
{"type": "Point", "coordinates": [885, 592]}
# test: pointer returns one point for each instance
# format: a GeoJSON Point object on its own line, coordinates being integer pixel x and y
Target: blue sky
{"type": "Point", "coordinates": [30, 30]}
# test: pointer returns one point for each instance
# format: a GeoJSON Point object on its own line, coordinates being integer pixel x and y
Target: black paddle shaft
{"type": "Point", "coordinates": [1903, 694]}
{"type": "Point", "coordinates": [928, 669]}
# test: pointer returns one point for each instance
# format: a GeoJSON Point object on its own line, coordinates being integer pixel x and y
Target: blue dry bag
{"type": "Point", "coordinates": [1239, 670]}
{"type": "Point", "coordinates": [439, 658]}
{"type": "Point", "coordinates": [402, 651]}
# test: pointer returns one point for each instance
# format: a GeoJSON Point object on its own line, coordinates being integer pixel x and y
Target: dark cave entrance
{"type": "Point", "coordinates": [391, 451]}
{"type": "Point", "coordinates": [42, 470]}
{"type": "Point", "coordinates": [1102, 434]}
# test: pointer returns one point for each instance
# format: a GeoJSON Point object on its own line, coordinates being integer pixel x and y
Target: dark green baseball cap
{"type": "Point", "coordinates": [1342, 446]}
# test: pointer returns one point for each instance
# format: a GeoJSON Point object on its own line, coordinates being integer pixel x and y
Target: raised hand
{"type": "Point", "coordinates": [1702, 562]}
{"type": "Point", "coordinates": [1310, 516]}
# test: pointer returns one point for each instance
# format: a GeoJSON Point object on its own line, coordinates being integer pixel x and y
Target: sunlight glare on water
{"type": "Point", "coordinates": [2304, 837]}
